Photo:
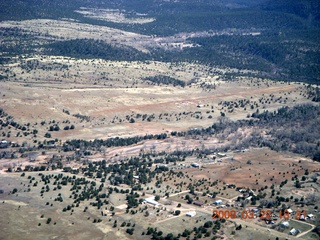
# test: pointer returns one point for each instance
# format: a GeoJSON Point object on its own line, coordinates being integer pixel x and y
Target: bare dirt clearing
{"type": "Point", "coordinates": [115, 15]}
{"type": "Point", "coordinates": [257, 168]}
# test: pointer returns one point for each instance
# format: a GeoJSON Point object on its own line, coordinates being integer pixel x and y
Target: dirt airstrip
{"type": "Point", "coordinates": [103, 112]}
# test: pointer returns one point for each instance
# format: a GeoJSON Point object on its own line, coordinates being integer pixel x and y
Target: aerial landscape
{"type": "Point", "coordinates": [160, 119]}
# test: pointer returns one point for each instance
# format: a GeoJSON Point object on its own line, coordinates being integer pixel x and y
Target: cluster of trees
{"type": "Point", "coordinates": [32, 64]}
{"type": "Point", "coordinates": [138, 116]}
{"type": "Point", "coordinates": [81, 189]}
{"type": "Point", "coordinates": [294, 129]}
{"type": "Point", "coordinates": [164, 116]}
{"type": "Point", "coordinates": [3, 114]}
{"type": "Point", "coordinates": [208, 229]}
{"type": "Point", "coordinates": [166, 80]}
{"type": "Point", "coordinates": [82, 117]}
{"type": "Point", "coordinates": [21, 38]}
{"type": "Point", "coordinates": [291, 129]}
{"type": "Point", "coordinates": [314, 93]}
{"type": "Point", "coordinates": [33, 9]}
{"type": "Point", "coordinates": [57, 128]}
{"type": "Point", "coordinates": [123, 173]}
{"type": "Point", "coordinates": [71, 145]}
{"type": "Point", "coordinates": [7, 121]}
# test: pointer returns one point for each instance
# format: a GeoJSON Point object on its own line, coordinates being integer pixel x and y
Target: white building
{"type": "Point", "coordinates": [285, 224]}
{"type": "Point", "coordinates": [289, 210]}
{"type": "Point", "coordinates": [310, 215]}
{"type": "Point", "coordinates": [191, 214]}
{"type": "Point", "coordinates": [293, 232]}
{"type": "Point", "coordinates": [221, 154]}
{"type": "Point", "coordinates": [3, 144]}
{"type": "Point", "coordinates": [217, 202]}
{"type": "Point", "coordinates": [221, 206]}
{"type": "Point", "coordinates": [196, 165]}
{"type": "Point", "coordinates": [302, 217]}
{"type": "Point", "coordinates": [151, 200]}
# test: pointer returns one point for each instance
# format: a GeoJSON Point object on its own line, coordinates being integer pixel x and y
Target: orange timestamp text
{"type": "Point", "coordinates": [262, 214]}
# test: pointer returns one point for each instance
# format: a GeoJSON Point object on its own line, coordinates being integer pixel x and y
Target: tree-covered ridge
{"type": "Point", "coordinates": [88, 48]}
{"type": "Point", "coordinates": [274, 55]}
{"type": "Point", "coordinates": [288, 129]}
{"type": "Point", "coordinates": [314, 94]}
{"type": "Point", "coordinates": [308, 9]}
{"type": "Point", "coordinates": [71, 145]}
{"type": "Point", "coordinates": [171, 16]}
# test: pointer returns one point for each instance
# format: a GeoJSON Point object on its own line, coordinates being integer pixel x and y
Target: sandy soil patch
{"type": "Point", "coordinates": [115, 15]}
{"type": "Point", "coordinates": [13, 202]}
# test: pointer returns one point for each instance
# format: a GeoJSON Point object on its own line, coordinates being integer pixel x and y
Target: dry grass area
{"type": "Point", "coordinates": [26, 218]}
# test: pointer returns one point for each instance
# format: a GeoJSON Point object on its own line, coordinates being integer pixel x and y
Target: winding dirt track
{"type": "Point", "coordinates": [196, 100]}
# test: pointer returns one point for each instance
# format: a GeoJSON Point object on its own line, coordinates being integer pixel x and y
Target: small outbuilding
{"type": "Point", "coordinates": [289, 210]}
{"type": "Point", "coordinates": [198, 203]}
{"type": "Point", "coordinates": [285, 224]}
{"type": "Point", "coordinates": [191, 214]}
{"type": "Point", "coordinates": [196, 165]}
{"type": "Point", "coordinates": [221, 206]}
{"type": "Point", "coordinates": [3, 144]}
{"type": "Point", "coordinates": [151, 200]}
{"type": "Point", "coordinates": [310, 215]}
{"type": "Point", "coordinates": [221, 154]}
{"type": "Point", "coordinates": [293, 232]}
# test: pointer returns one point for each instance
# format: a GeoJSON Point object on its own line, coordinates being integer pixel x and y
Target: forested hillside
{"type": "Point", "coordinates": [86, 48]}
{"type": "Point", "coordinates": [287, 129]}
{"type": "Point", "coordinates": [308, 9]}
